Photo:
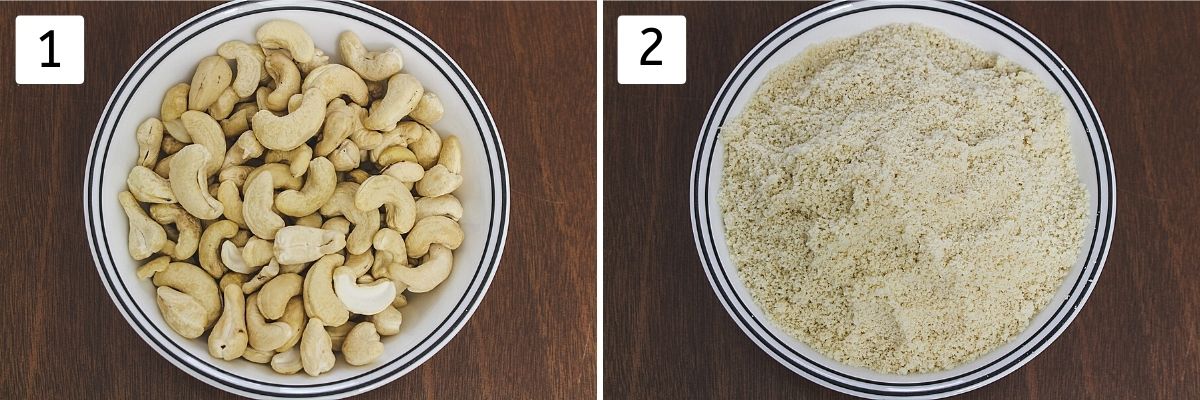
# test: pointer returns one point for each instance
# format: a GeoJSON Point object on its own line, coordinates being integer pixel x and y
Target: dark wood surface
{"type": "Point", "coordinates": [1138, 337]}
{"type": "Point", "coordinates": [533, 334]}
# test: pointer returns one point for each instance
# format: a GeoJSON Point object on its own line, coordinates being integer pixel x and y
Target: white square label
{"type": "Point", "coordinates": [49, 49]}
{"type": "Point", "coordinates": [651, 49]}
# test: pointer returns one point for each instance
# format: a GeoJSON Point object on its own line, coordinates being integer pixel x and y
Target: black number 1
{"type": "Point", "coordinates": [657, 40]}
{"type": "Point", "coordinates": [50, 35]}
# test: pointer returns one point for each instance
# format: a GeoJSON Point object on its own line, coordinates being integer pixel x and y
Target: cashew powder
{"type": "Point", "coordinates": [900, 200]}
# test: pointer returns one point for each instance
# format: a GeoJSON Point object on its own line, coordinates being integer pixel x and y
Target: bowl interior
{"type": "Point", "coordinates": [982, 36]}
{"type": "Point", "coordinates": [480, 194]}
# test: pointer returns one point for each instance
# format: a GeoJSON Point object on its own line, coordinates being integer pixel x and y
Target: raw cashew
{"type": "Point", "coordinates": [257, 356]}
{"type": "Point", "coordinates": [294, 317]}
{"type": "Point", "coordinates": [250, 61]}
{"type": "Point", "coordinates": [403, 93]}
{"type": "Point", "coordinates": [373, 66]}
{"type": "Point", "coordinates": [445, 205]}
{"type": "Point", "coordinates": [194, 282]}
{"type": "Point", "coordinates": [316, 349]}
{"type": "Point", "coordinates": [360, 263]}
{"type": "Point", "coordinates": [297, 159]}
{"type": "Point", "coordinates": [256, 207]}
{"type": "Point", "coordinates": [321, 303]}
{"type": "Point", "coordinates": [388, 321]}
{"type": "Point", "coordinates": [362, 344]}
{"type": "Point", "coordinates": [362, 299]}
{"type": "Point", "coordinates": [264, 336]}
{"type": "Point", "coordinates": [221, 108]}
{"type": "Point", "coordinates": [177, 133]}
{"type": "Point", "coordinates": [294, 102]}
{"type": "Point", "coordinates": [287, 362]}
{"type": "Point", "coordinates": [187, 225]}
{"type": "Point", "coordinates": [451, 155]}
{"type": "Point", "coordinates": [396, 154]}
{"type": "Point", "coordinates": [149, 139]}
{"type": "Point", "coordinates": [405, 171]}
{"type": "Point", "coordinates": [175, 102]}
{"type": "Point", "coordinates": [231, 257]}
{"type": "Point", "coordinates": [275, 294]}
{"type": "Point", "coordinates": [286, 35]}
{"type": "Point", "coordinates": [210, 246]}
{"type": "Point", "coordinates": [300, 244]}
{"type": "Point", "coordinates": [292, 130]}
{"type": "Point", "coordinates": [366, 223]}
{"type": "Point", "coordinates": [340, 121]}
{"type": "Point", "coordinates": [233, 278]}
{"type": "Point", "coordinates": [427, 147]}
{"type": "Point", "coordinates": [189, 182]}
{"type": "Point", "coordinates": [156, 265]}
{"type": "Point", "coordinates": [146, 237]}
{"type": "Point", "coordinates": [335, 80]}
{"type": "Point", "coordinates": [231, 201]}
{"type": "Point", "coordinates": [433, 229]}
{"type": "Point", "coordinates": [244, 149]}
{"type": "Point", "coordinates": [228, 338]}
{"type": "Point", "coordinates": [434, 269]}
{"type": "Point", "coordinates": [438, 181]}
{"type": "Point", "coordinates": [337, 224]}
{"type": "Point", "coordinates": [237, 174]}
{"type": "Point", "coordinates": [318, 188]}
{"type": "Point", "coordinates": [149, 187]}
{"type": "Point", "coordinates": [313, 220]}
{"type": "Point", "coordinates": [281, 176]}
{"type": "Point", "coordinates": [319, 60]}
{"type": "Point", "coordinates": [403, 134]}
{"type": "Point", "coordinates": [264, 275]}
{"type": "Point", "coordinates": [239, 122]}
{"type": "Point", "coordinates": [211, 78]}
{"type": "Point", "coordinates": [205, 131]}
{"type": "Point", "coordinates": [183, 313]}
{"type": "Point", "coordinates": [346, 157]}
{"type": "Point", "coordinates": [337, 334]}
{"type": "Point", "coordinates": [258, 252]}
{"type": "Point", "coordinates": [429, 110]}
{"type": "Point", "coordinates": [287, 81]}
{"type": "Point", "coordinates": [384, 189]}
{"type": "Point", "coordinates": [389, 248]}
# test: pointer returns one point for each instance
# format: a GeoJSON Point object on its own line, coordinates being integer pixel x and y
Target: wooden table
{"type": "Point", "coordinates": [533, 334]}
{"type": "Point", "coordinates": [667, 336]}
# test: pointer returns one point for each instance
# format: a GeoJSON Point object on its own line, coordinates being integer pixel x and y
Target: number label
{"type": "Point", "coordinates": [657, 39]}
{"type": "Point", "coordinates": [49, 36]}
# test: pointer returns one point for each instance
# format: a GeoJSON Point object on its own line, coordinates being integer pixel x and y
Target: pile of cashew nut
{"type": "Point", "coordinates": [291, 204]}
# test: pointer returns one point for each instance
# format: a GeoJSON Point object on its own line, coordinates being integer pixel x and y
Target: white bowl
{"type": "Point", "coordinates": [984, 29]}
{"type": "Point", "coordinates": [430, 319]}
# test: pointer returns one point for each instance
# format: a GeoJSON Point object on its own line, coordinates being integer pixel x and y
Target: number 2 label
{"type": "Point", "coordinates": [657, 39]}
{"type": "Point", "coordinates": [651, 49]}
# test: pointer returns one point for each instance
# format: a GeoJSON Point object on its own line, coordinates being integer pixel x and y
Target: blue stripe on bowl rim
{"type": "Point", "coordinates": [465, 306]}
{"type": "Point", "coordinates": [754, 327]}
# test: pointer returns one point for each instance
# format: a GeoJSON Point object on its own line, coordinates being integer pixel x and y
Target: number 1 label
{"type": "Point", "coordinates": [651, 49]}
{"type": "Point", "coordinates": [49, 49]}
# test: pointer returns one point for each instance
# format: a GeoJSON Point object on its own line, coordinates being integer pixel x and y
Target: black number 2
{"type": "Point", "coordinates": [657, 39]}
{"type": "Point", "coordinates": [49, 35]}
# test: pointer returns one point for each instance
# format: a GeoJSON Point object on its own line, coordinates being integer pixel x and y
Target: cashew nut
{"type": "Point", "coordinates": [438, 181]}
{"type": "Point", "coordinates": [233, 278]}
{"type": "Point", "coordinates": [264, 275]}
{"type": "Point", "coordinates": [320, 301]}
{"type": "Point", "coordinates": [281, 176]}
{"type": "Point", "coordinates": [257, 356]}
{"type": "Point", "coordinates": [433, 229]}
{"type": "Point", "coordinates": [275, 294]}
{"type": "Point", "coordinates": [434, 269]}
{"type": "Point", "coordinates": [297, 159]}
{"type": "Point", "coordinates": [256, 207]}
{"type": "Point", "coordinates": [152, 267]}
{"type": "Point", "coordinates": [388, 321]}
{"type": "Point", "coordinates": [210, 243]}
{"type": "Point", "coordinates": [362, 299]}
{"type": "Point", "coordinates": [319, 59]}
{"type": "Point", "coordinates": [231, 257]}
{"type": "Point", "coordinates": [300, 244]}
{"type": "Point", "coordinates": [427, 147]}
{"type": "Point", "coordinates": [384, 189]}
{"type": "Point", "coordinates": [211, 78]}
{"type": "Point", "coordinates": [346, 157]}
{"type": "Point", "coordinates": [250, 61]}
{"type": "Point", "coordinates": [405, 171]}
{"type": "Point", "coordinates": [451, 155]}
{"type": "Point", "coordinates": [287, 82]}
{"type": "Point", "coordinates": [204, 130]}
{"type": "Point", "coordinates": [194, 282]}
{"type": "Point", "coordinates": [149, 138]}
{"type": "Point", "coordinates": [149, 187]}
{"type": "Point", "coordinates": [244, 149]}
{"type": "Point", "coordinates": [263, 335]}
{"type": "Point", "coordinates": [189, 182]}
{"type": "Point", "coordinates": [445, 205]}
{"type": "Point", "coordinates": [396, 154]}
{"type": "Point", "coordinates": [175, 102]}
{"type": "Point", "coordinates": [313, 220]}
{"type": "Point", "coordinates": [146, 237]}
{"type": "Point", "coordinates": [221, 108]}
{"type": "Point", "coordinates": [286, 35]}
{"type": "Point", "coordinates": [366, 223]}
{"type": "Point", "coordinates": [429, 110]}
{"type": "Point", "coordinates": [340, 121]}
{"type": "Point", "coordinates": [373, 66]}
{"type": "Point", "coordinates": [337, 334]}
{"type": "Point", "coordinates": [318, 188]}
{"type": "Point", "coordinates": [294, 317]}
{"type": "Point", "coordinates": [183, 313]}
{"type": "Point", "coordinates": [228, 338]}
{"type": "Point", "coordinates": [335, 80]}
{"type": "Point", "coordinates": [187, 225]}
{"type": "Point", "coordinates": [362, 344]}
{"type": "Point", "coordinates": [337, 224]}
{"type": "Point", "coordinates": [237, 174]}
{"type": "Point", "coordinates": [239, 122]}
{"type": "Point", "coordinates": [316, 349]}
{"type": "Point", "coordinates": [403, 93]}
{"type": "Point", "coordinates": [287, 362]}
{"type": "Point", "coordinates": [292, 130]}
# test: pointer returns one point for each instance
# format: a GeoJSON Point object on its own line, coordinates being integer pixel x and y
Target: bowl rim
{"type": "Point", "coordinates": [386, 371]}
{"type": "Point", "coordinates": [752, 324]}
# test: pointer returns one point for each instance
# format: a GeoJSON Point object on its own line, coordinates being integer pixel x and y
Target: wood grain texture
{"type": "Point", "coordinates": [1138, 337]}
{"type": "Point", "coordinates": [533, 334]}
